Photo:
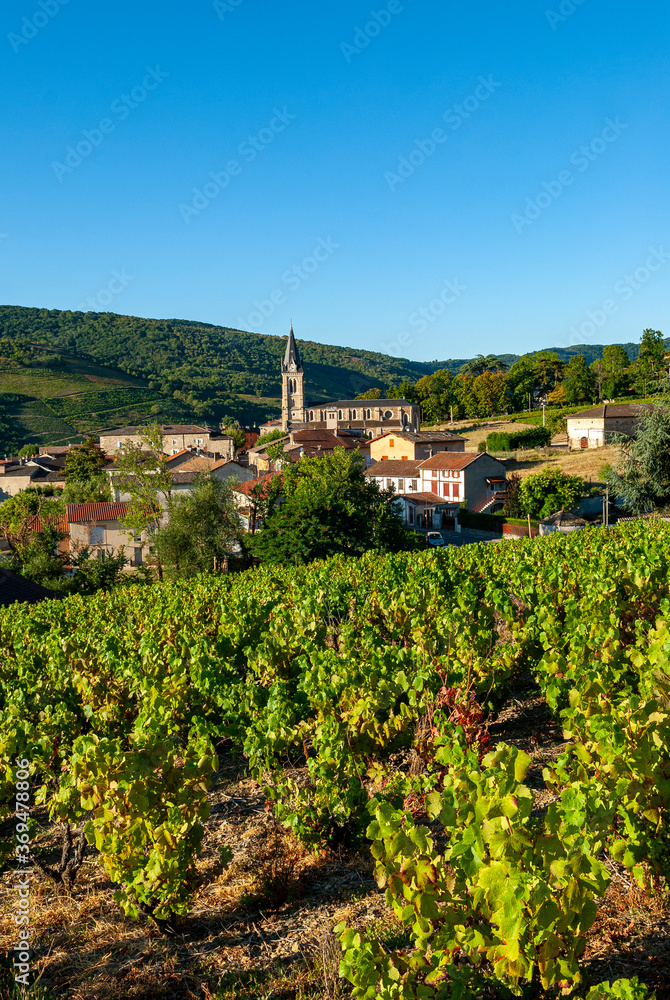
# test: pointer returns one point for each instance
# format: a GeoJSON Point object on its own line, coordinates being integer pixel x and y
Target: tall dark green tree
{"type": "Point", "coordinates": [650, 366]}
{"type": "Point", "coordinates": [328, 506]}
{"type": "Point", "coordinates": [579, 383]}
{"type": "Point", "coordinates": [641, 478]}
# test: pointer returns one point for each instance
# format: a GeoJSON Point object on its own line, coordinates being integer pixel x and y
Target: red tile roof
{"type": "Point", "coordinates": [82, 512]}
{"type": "Point", "coordinates": [430, 498]}
{"type": "Point", "coordinates": [247, 487]}
{"type": "Point", "coordinates": [450, 460]}
{"type": "Point", "coordinates": [402, 467]}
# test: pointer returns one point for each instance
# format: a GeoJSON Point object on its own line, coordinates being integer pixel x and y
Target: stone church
{"type": "Point", "coordinates": [369, 417]}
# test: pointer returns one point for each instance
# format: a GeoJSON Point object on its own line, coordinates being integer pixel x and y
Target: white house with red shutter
{"type": "Point", "coordinates": [435, 488]}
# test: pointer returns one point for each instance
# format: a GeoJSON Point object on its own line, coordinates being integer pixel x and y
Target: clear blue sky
{"type": "Point", "coordinates": [335, 123]}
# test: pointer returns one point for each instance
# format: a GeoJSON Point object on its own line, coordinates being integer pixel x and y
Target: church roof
{"type": "Point", "coordinates": [358, 403]}
{"type": "Point", "coordinates": [291, 356]}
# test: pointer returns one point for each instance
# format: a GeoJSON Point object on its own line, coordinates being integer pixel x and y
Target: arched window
{"type": "Point", "coordinates": [355, 416]}
{"type": "Point", "coordinates": [339, 415]}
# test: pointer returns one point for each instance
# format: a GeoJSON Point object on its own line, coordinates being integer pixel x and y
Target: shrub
{"type": "Point", "coordinates": [529, 437]}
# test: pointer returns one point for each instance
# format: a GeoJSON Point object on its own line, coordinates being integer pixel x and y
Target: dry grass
{"type": "Point", "coordinates": [588, 463]}
{"type": "Point", "coordinates": [475, 431]}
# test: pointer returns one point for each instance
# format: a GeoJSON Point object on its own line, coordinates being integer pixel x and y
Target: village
{"type": "Point", "coordinates": [446, 489]}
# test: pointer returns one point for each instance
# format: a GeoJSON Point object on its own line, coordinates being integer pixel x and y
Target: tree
{"type": "Point", "coordinates": [650, 364]}
{"type": "Point", "coordinates": [436, 394]}
{"type": "Point", "coordinates": [522, 379]}
{"type": "Point", "coordinates": [549, 491]}
{"type": "Point", "coordinates": [371, 394]}
{"type": "Point", "coordinates": [491, 391]}
{"type": "Point", "coordinates": [549, 371]}
{"type": "Point", "coordinates": [85, 461]}
{"type": "Point", "coordinates": [328, 506]}
{"type": "Point", "coordinates": [233, 430]}
{"type": "Point", "coordinates": [17, 515]}
{"type": "Point", "coordinates": [143, 475]}
{"type": "Point", "coordinates": [404, 390]}
{"type": "Point", "coordinates": [512, 506]}
{"type": "Point", "coordinates": [616, 364]}
{"type": "Point", "coordinates": [579, 382]}
{"type": "Point", "coordinates": [482, 364]}
{"type": "Point", "coordinates": [641, 479]}
{"type": "Point", "coordinates": [203, 528]}
{"type": "Point", "coordinates": [29, 450]}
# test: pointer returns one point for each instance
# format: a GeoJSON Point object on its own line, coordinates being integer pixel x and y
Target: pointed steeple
{"type": "Point", "coordinates": [291, 357]}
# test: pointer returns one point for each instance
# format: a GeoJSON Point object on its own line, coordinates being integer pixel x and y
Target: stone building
{"type": "Point", "coordinates": [595, 427]}
{"type": "Point", "coordinates": [370, 417]}
{"type": "Point", "coordinates": [176, 437]}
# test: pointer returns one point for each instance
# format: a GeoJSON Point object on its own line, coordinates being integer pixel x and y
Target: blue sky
{"type": "Point", "coordinates": [405, 177]}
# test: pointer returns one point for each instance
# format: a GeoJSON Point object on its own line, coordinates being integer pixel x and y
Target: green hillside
{"type": "Point", "coordinates": [67, 374]}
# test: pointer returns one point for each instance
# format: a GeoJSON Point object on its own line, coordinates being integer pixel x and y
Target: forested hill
{"type": "Point", "coordinates": [200, 358]}
{"type": "Point", "coordinates": [64, 374]}
{"type": "Point", "coordinates": [208, 360]}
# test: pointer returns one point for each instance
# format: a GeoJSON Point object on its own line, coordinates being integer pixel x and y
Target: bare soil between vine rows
{"type": "Point", "coordinates": [262, 928]}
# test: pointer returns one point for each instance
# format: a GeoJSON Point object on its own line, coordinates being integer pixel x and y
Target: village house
{"type": "Point", "coordinates": [456, 478]}
{"type": "Point", "coordinates": [96, 526]}
{"type": "Point", "coordinates": [176, 438]}
{"type": "Point", "coordinates": [596, 427]}
{"type": "Point", "coordinates": [19, 475]}
{"type": "Point", "coordinates": [406, 445]}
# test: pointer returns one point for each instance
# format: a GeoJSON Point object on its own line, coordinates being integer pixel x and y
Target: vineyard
{"type": "Point", "coordinates": [357, 701]}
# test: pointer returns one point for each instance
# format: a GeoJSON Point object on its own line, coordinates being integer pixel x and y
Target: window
{"type": "Point", "coordinates": [198, 440]}
{"type": "Point", "coordinates": [174, 441]}
{"type": "Point", "coordinates": [119, 444]}
{"type": "Point", "coordinates": [403, 458]}
{"type": "Point", "coordinates": [355, 416]}
{"type": "Point", "coordinates": [415, 485]}
{"type": "Point", "coordinates": [138, 557]}
{"type": "Point", "coordinates": [392, 443]}
{"type": "Point", "coordinates": [411, 515]}
{"type": "Point", "coordinates": [401, 486]}
{"type": "Point", "coordinates": [389, 484]}
{"type": "Point", "coordinates": [339, 415]}
{"type": "Point", "coordinates": [388, 414]}
{"type": "Point", "coordinates": [96, 535]}
{"type": "Point", "coordinates": [455, 490]}
{"type": "Point", "coordinates": [385, 458]}
{"type": "Point", "coordinates": [445, 489]}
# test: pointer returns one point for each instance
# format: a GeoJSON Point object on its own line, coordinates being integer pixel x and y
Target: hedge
{"type": "Point", "coordinates": [529, 437]}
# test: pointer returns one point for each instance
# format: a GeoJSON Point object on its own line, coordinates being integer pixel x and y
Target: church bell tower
{"type": "Point", "coordinates": [292, 386]}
